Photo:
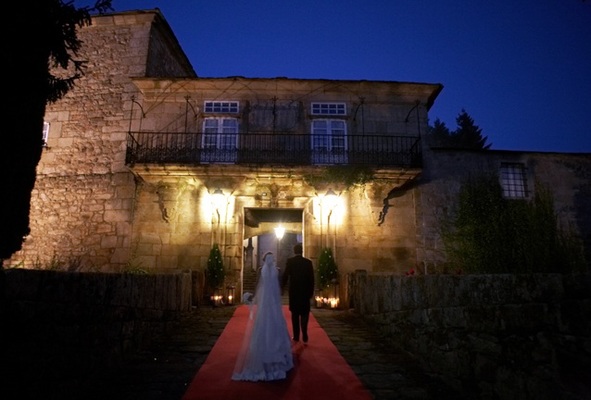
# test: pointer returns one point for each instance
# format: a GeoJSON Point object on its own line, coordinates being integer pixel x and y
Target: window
{"type": "Point", "coordinates": [231, 107]}
{"type": "Point", "coordinates": [45, 133]}
{"type": "Point", "coordinates": [329, 109]}
{"type": "Point", "coordinates": [514, 180]}
{"type": "Point", "coordinates": [220, 140]}
{"type": "Point", "coordinates": [329, 144]}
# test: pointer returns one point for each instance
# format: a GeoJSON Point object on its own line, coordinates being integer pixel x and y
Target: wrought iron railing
{"type": "Point", "coordinates": [273, 148]}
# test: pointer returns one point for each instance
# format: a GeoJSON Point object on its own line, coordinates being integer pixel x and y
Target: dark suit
{"type": "Point", "coordinates": [299, 273]}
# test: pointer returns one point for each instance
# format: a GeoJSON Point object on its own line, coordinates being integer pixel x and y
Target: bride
{"type": "Point", "coordinates": [266, 349]}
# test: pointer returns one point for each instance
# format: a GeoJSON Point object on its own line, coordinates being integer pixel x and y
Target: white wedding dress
{"type": "Point", "coordinates": [266, 350]}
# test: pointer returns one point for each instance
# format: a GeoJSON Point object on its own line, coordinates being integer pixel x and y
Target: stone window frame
{"type": "Point", "coordinates": [221, 107]}
{"type": "Point", "coordinates": [328, 137]}
{"type": "Point", "coordinates": [222, 132]}
{"type": "Point", "coordinates": [328, 108]}
{"type": "Point", "coordinates": [513, 177]}
{"type": "Point", "coordinates": [329, 145]}
{"type": "Point", "coordinates": [46, 126]}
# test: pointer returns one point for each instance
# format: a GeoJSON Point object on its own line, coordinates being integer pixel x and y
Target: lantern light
{"type": "Point", "coordinates": [330, 199]}
{"type": "Point", "coordinates": [279, 232]}
{"type": "Point", "coordinates": [230, 294]}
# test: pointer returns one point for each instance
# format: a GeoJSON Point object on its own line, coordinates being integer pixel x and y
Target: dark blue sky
{"type": "Point", "coordinates": [520, 68]}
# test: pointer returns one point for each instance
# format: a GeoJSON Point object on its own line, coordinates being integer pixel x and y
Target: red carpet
{"type": "Point", "coordinates": [320, 372]}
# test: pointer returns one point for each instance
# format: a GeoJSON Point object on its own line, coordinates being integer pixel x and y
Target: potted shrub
{"type": "Point", "coordinates": [215, 273]}
{"type": "Point", "coordinates": [328, 275]}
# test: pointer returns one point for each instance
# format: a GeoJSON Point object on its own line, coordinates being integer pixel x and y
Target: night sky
{"type": "Point", "coordinates": [520, 68]}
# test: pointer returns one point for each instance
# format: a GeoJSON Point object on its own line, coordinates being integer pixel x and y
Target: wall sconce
{"type": "Point", "coordinates": [330, 199]}
{"type": "Point", "coordinates": [218, 201]}
{"type": "Point", "coordinates": [217, 198]}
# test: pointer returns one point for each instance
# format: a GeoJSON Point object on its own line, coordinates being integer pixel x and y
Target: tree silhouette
{"type": "Point", "coordinates": [31, 59]}
{"type": "Point", "coordinates": [466, 136]}
{"type": "Point", "coordinates": [439, 134]}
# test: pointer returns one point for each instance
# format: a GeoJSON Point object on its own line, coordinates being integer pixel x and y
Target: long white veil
{"type": "Point", "coordinates": [266, 348]}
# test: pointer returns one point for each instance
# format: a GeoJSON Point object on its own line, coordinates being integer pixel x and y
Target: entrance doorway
{"type": "Point", "coordinates": [260, 236]}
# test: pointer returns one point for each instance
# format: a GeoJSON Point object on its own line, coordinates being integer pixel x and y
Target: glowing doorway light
{"type": "Point", "coordinates": [279, 232]}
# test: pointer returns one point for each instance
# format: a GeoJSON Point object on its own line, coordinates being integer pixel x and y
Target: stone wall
{"type": "Point", "coordinates": [92, 212]}
{"type": "Point", "coordinates": [83, 202]}
{"type": "Point", "coordinates": [106, 315]}
{"type": "Point", "coordinates": [490, 336]}
{"type": "Point", "coordinates": [568, 176]}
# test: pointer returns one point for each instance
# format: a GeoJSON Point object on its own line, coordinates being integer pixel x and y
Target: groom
{"type": "Point", "coordinates": [299, 272]}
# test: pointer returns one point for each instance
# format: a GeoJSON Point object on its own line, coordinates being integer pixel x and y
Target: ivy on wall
{"type": "Point", "coordinates": [487, 233]}
{"type": "Point", "coordinates": [346, 175]}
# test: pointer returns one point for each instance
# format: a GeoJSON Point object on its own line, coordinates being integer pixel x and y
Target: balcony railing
{"type": "Point", "coordinates": [277, 148]}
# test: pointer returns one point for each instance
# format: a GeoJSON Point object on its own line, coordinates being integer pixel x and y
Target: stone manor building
{"type": "Point", "coordinates": [147, 165]}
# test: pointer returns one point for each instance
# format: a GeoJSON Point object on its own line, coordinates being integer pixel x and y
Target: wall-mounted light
{"type": "Point", "coordinates": [330, 199]}
{"type": "Point", "coordinates": [217, 199]}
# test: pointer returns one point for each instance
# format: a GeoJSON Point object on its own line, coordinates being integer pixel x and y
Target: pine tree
{"type": "Point", "coordinates": [215, 268]}
{"type": "Point", "coordinates": [327, 268]}
{"type": "Point", "coordinates": [439, 134]}
{"type": "Point", "coordinates": [467, 135]}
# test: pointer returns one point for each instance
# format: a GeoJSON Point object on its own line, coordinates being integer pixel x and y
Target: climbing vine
{"type": "Point", "coordinates": [347, 175]}
{"type": "Point", "coordinates": [487, 233]}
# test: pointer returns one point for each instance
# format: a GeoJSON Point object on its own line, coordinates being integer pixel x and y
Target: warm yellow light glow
{"type": "Point", "coordinates": [332, 208]}
{"type": "Point", "coordinates": [279, 232]}
{"type": "Point", "coordinates": [332, 302]}
{"type": "Point", "coordinates": [330, 199]}
{"type": "Point", "coordinates": [217, 299]}
{"type": "Point", "coordinates": [218, 199]}
{"type": "Point", "coordinates": [230, 294]}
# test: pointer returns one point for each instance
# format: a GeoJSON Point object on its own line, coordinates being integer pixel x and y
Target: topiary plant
{"type": "Point", "coordinates": [328, 271]}
{"type": "Point", "coordinates": [215, 268]}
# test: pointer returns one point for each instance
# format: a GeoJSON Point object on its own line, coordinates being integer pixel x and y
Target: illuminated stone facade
{"type": "Point", "coordinates": [98, 206]}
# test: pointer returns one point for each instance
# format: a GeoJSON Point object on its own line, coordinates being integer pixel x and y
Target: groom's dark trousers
{"type": "Point", "coordinates": [299, 276]}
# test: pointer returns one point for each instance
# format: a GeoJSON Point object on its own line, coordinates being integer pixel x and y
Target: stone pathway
{"type": "Point", "coordinates": [165, 369]}
{"type": "Point", "coordinates": [387, 373]}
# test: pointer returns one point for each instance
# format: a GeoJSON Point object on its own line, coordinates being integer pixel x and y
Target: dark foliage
{"type": "Point", "coordinates": [487, 233]}
{"type": "Point", "coordinates": [327, 268]}
{"type": "Point", "coordinates": [466, 136]}
{"type": "Point", "coordinates": [215, 268]}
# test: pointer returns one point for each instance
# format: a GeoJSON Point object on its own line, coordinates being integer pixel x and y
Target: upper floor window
{"type": "Point", "coordinates": [329, 109]}
{"type": "Point", "coordinates": [45, 133]}
{"type": "Point", "coordinates": [222, 127]}
{"type": "Point", "coordinates": [220, 140]}
{"type": "Point", "coordinates": [222, 107]}
{"type": "Point", "coordinates": [329, 142]}
{"type": "Point", "coordinates": [514, 180]}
